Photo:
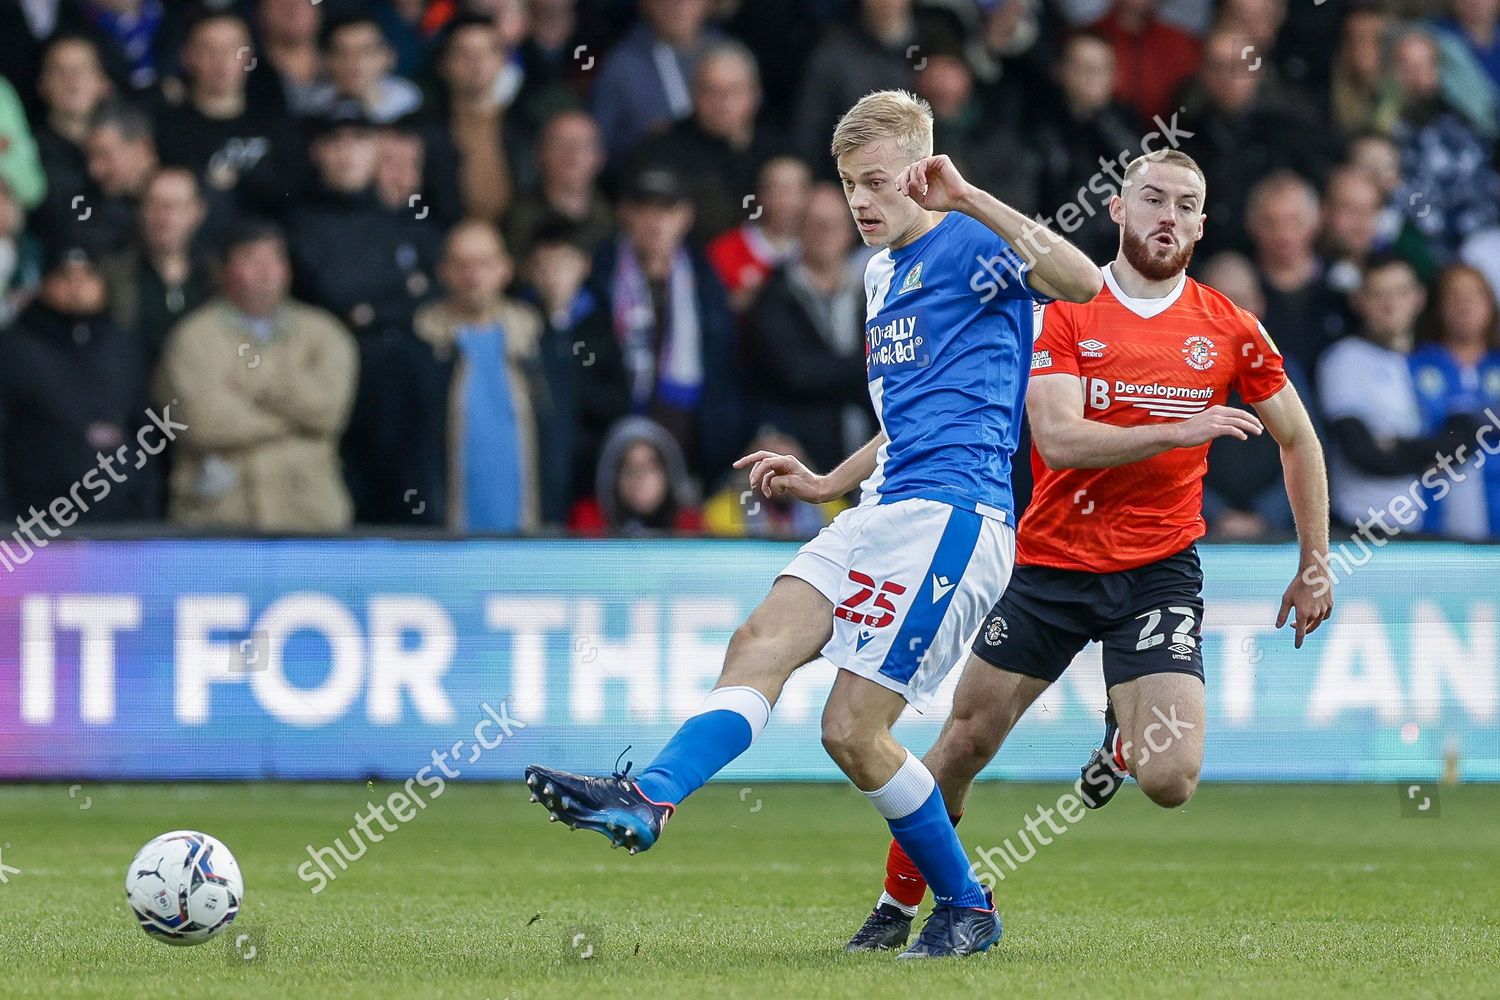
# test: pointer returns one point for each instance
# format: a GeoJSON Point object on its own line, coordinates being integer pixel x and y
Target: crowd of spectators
{"type": "Point", "coordinates": [542, 265]}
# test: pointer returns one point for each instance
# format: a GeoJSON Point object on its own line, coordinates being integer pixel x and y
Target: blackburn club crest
{"type": "Point", "coordinates": [913, 279]}
{"type": "Point", "coordinates": [1199, 352]}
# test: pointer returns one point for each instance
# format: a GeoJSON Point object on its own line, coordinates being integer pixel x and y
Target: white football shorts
{"type": "Point", "coordinates": [911, 582]}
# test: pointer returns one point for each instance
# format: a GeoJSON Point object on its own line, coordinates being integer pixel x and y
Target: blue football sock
{"type": "Point", "coordinates": [914, 810]}
{"type": "Point", "coordinates": [724, 728]}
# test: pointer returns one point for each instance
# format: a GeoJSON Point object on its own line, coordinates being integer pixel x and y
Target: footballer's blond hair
{"type": "Point", "coordinates": [1171, 157]}
{"type": "Point", "coordinates": [886, 114]}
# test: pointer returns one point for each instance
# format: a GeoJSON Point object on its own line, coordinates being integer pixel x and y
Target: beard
{"type": "Point", "coordinates": [1143, 256]}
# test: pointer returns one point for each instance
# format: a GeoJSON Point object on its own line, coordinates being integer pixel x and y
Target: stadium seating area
{"type": "Point", "coordinates": [519, 266]}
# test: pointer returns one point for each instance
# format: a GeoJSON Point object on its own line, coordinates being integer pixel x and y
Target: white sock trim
{"type": "Point", "coordinates": [904, 794]}
{"type": "Point", "coordinates": [743, 701]}
{"type": "Point", "coordinates": [886, 899]}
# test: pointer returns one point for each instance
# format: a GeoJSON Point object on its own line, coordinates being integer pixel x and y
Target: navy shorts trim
{"type": "Point", "coordinates": [1148, 619]}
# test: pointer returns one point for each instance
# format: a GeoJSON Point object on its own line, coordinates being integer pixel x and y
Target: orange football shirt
{"type": "Point", "coordinates": [1141, 361]}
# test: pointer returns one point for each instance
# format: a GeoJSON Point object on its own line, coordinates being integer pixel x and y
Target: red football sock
{"type": "Point", "coordinates": [1119, 755]}
{"type": "Point", "coordinates": [902, 880]}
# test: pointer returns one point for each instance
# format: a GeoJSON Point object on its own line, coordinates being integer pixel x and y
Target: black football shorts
{"type": "Point", "coordinates": [1149, 620]}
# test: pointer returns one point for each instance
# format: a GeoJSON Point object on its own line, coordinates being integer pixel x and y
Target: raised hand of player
{"type": "Point", "coordinates": [934, 183]}
{"type": "Point", "coordinates": [1312, 602]}
{"type": "Point", "coordinates": [1215, 422]}
{"type": "Point", "coordinates": [782, 475]}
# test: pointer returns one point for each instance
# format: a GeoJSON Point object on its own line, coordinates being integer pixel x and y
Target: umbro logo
{"type": "Point", "coordinates": [1091, 348]}
{"type": "Point", "coordinates": [940, 587]}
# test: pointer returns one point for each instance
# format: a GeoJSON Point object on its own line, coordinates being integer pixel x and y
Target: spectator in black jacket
{"type": "Point", "coordinates": [373, 266]}
{"type": "Point", "coordinates": [1304, 312]}
{"type": "Point", "coordinates": [161, 276]}
{"type": "Point", "coordinates": [1075, 136]}
{"type": "Point", "coordinates": [670, 342]}
{"type": "Point", "coordinates": [121, 154]}
{"type": "Point", "coordinates": [880, 50]}
{"type": "Point", "coordinates": [73, 393]}
{"type": "Point", "coordinates": [374, 281]}
{"type": "Point", "coordinates": [71, 86]}
{"type": "Point", "coordinates": [569, 159]}
{"type": "Point", "coordinates": [719, 150]}
{"type": "Point", "coordinates": [247, 159]}
{"type": "Point", "coordinates": [1239, 131]}
{"type": "Point", "coordinates": [805, 338]}
{"type": "Point", "coordinates": [555, 278]}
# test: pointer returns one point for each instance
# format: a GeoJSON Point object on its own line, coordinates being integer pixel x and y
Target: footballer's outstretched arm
{"type": "Point", "coordinates": [770, 472]}
{"type": "Point", "coordinates": [1057, 268]}
{"type": "Point", "coordinates": [1066, 439]}
{"type": "Point", "coordinates": [1307, 489]}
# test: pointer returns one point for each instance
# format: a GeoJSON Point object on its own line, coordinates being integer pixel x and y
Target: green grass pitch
{"type": "Point", "coordinates": [1249, 891]}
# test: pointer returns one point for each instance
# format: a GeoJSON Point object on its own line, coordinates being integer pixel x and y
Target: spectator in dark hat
{"type": "Point", "coordinates": [671, 343]}
{"type": "Point", "coordinates": [375, 281]}
{"type": "Point", "coordinates": [555, 278]}
{"type": "Point", "coordinates": [372, 266]}
{"type": "Point", "coordinates": [72, 392]}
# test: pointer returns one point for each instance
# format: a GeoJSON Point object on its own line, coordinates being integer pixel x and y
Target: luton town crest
{"type": "Point", "coordinates": [1199, 353]}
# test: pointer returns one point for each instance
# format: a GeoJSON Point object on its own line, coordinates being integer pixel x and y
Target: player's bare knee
{"type": "Point", "coordinates": [971, 743]}
{"type": "Point", "coordinates": [752, 659]}
{"type": "Point", "coordinates": [845, 742]}
{"type": "Point", "coordinates": [1168, 787]}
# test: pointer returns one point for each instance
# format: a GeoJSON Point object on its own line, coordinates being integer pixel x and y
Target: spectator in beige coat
{"type": "Point", "coordinates": [265, 385]}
